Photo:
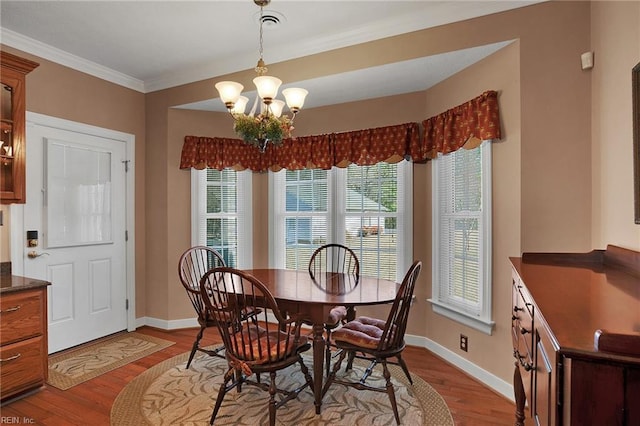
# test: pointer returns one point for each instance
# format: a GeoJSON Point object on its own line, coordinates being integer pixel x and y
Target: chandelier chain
{"type": "Point", "coordinates": [261, 39]}
{"type": "Point", "coordinates": [260, 68]}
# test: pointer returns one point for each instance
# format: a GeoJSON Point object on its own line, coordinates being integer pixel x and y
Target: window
{"type": "Point", "coordinates": [220, 207]}
{"type": "Point", "coordinates": [367, 208]}
{"type": "Point", "coordinates": [462, 236]}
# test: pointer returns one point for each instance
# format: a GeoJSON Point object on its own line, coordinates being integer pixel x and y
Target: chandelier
{"type": "Point", "coordinates": [269, 125]}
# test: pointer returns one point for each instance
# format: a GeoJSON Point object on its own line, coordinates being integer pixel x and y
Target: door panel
{"type": "Point", "coordinates": [100, 285]}
{"type": "Point", "coordinates": [62, 293]}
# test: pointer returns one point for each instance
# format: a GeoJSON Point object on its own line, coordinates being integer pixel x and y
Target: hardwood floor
{"type": "Point", "coordinates": [89, 403]}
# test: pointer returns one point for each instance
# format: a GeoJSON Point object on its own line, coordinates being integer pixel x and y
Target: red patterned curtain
{"type": "Point", "coordinates": [473, 121]}
{"type": "Point", "coordinates": [362, 147]}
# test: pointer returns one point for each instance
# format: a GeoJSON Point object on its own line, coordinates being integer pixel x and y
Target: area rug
{"type": "Point", "coordinates": [75, 366]}
{"type": "Point", "coordinates": [169, 394]}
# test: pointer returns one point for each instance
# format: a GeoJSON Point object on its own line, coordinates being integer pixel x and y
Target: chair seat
{"type": "Point", "coordinates": [336, 315]}
{"type": "Point", "coordinates": [259, 352]}
{"type": "Point", "coordinates": [362, 331]}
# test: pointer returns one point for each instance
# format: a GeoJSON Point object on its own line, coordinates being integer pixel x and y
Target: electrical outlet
{"type": "Point", "coordinates": [464, 342]}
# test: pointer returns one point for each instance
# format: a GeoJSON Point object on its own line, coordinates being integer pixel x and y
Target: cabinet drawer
{"type": "Point", "coordinates": [22, 366]}
{"type": "Point", "coordinates": [21, 315]}
{"type": "Point", "coordinates": [522, 323]}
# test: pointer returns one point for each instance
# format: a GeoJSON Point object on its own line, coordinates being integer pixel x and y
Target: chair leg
{"type": "Point", "coordinates": [238, 376]}
{"type": "Point", "coordinates": [390, 391]}
{"type": "Point", "coordinates": [195, 346]}
{"type": "Point", "coordinates": [221, 393]}
{"type": "Point", "coordinates": [404, 368]}
{"type": "Point", "coordinates": [272, 399]}
{"type": "Point", "coordinates": [352, 355]}
{"type": "Point", "coordinates": [327, 354]}
{"type": "Point", "coordinates": [305, 371]}
{"type": "Point", "coordinates": [332, 376]}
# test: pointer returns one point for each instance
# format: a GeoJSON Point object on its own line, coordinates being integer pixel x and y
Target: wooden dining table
{"type": "Point", "coordinates": [297, 293]}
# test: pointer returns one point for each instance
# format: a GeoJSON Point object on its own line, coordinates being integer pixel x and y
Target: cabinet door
{"type": "Point", "coordinates": [542, 406]}
{"type": "Point", "coordinates": [597, 393]}
{"type": "Point", "coordinates": [632, 396]}
{"type": "Point", "coordinates": [12, 148]}
{"type": "Point", "coordinates": [12, 119]}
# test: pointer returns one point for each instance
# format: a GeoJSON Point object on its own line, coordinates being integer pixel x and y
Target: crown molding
{"type": "Point", "coordinates": [45, 51]}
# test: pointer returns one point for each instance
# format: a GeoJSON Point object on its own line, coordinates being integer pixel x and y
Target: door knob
{"type": "Point", "coordinates": [33, 254]}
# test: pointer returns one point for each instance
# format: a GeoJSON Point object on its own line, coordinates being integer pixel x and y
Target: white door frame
{"type": "Point", "coordinates": [18, 237]}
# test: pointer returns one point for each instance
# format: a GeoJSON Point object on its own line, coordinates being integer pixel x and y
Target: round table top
{"type": "Point", "coordinates": [332, 289]}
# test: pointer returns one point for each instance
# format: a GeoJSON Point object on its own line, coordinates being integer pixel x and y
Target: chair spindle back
{"type": "Point", "coordinates": [334, 258]}
{"type": "Point", "coordinates": [193, 264]}
{"type": "Point", "coordinates": [393, 335]}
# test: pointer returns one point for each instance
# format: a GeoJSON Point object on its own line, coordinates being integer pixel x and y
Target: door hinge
{"type": "Point", "coordinates": [126, 165]}
{"type": "Point", "coordinates": [126, 304]}
{"type": "Point", "coordinates": [126, 235]}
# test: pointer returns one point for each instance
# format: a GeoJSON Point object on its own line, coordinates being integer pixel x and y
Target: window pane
{"type": "Point", "coordinates": [222, 236]}
{"type": "Point", "coordinates": [219, 222]}
{"type": "Point", "coordinates": [465, 266]}
{"type": "Point", "coordinates": [371, 217]}
{"type": "Point", "coordinates": [305, 218]}
{"type": "Point", "coordinates": [468, 180]}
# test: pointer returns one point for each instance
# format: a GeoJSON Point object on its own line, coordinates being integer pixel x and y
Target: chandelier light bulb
{"type": "Point", "coordinates": [295, 98]}
{"type": "Point", "coordinates": [267, 87]}
{"type": "Point", "coordinates": [240, 105]}
{"type": "Point", "coordinates": [276, 107]}
{"type": "Point", "coordinates": [229, 92]}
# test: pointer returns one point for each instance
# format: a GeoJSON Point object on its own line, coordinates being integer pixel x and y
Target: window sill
{"type": "Point", "coordinates": [485, 326]}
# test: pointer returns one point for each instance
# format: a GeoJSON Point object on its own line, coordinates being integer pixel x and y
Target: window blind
{"type": "Point", "coordinates": [222, 213]}
{"type": "Point", "coordinates": [459, 249]}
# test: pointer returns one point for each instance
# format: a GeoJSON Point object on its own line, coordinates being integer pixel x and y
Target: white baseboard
{"type": "Point", "coordinates": [494, 382]}
{"type": "Point", "coordinates": [167, 325]}
{"type": "Point", "coordinates": [497, 384]}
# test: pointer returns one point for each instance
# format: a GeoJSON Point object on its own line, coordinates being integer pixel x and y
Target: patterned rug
{"type": "Point", "coordinates": [75, 366]}
{"type": "Point", "coordinates": [169, 394]}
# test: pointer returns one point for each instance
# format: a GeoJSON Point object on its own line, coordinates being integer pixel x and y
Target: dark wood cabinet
{"type": "Point", "coordinates": [12, 127]}
{"type": "Point", "coordinates": [559, 302]}
{"type": "Point", "coordinates": [23, 335]}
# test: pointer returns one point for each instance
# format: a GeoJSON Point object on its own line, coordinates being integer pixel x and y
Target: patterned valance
{"type": "Point", "coordinates": [362, 147]}
{"type": "Point", "coordinates": [478, 118]}
{"type": "Point", "coordinates": [475, 121]}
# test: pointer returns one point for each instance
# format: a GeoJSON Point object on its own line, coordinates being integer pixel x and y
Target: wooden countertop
{"type": "Point", "coordinates": [577, 296]}
{"type": "Point", "coordinates": [12, 283]}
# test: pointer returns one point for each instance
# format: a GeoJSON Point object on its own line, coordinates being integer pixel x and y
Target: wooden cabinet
{"type": "Point", "coordinates": [12, 127]}
{"type": "Point", "coordinates": [559, 302]}
{"type": "Point", "coordinates": [23, 338]}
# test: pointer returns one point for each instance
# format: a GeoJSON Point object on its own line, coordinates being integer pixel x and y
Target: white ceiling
{"type": "Point", "coordinates": [153, 45]}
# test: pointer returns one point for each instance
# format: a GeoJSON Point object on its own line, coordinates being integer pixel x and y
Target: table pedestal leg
{"type": "Point", "coordinates": [318, 363]}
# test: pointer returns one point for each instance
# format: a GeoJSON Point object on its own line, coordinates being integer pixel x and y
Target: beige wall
{"type": "Point", "coordinates": [61, 92]}
{"type": "Point", "coordinates": [561, 177]}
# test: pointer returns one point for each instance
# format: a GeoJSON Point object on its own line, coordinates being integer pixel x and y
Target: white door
{"type": "Point", "coordinates": [76, 201]}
